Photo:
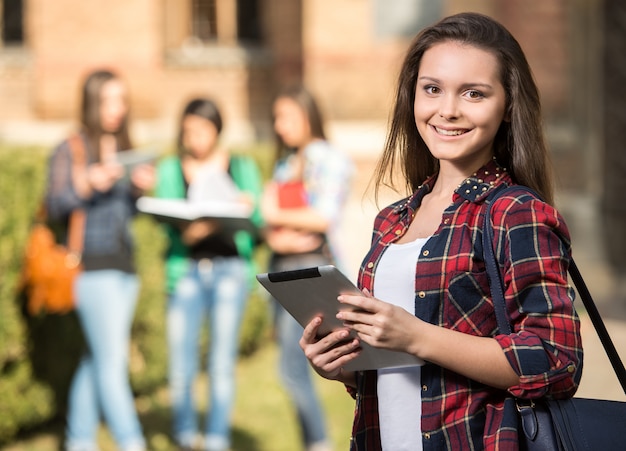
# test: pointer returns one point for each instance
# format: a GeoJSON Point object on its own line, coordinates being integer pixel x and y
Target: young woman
{"type": "Point", "coordinates": [208, 272]}
{"type": "Point", "coordinates": [466, 121]}
{"type": "Point", "coordinates": [106, 291]}
{"type": "Point", "coordinates": [301, 208]}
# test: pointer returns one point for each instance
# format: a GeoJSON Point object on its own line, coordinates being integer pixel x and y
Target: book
{"type": "Point", "coordinates": [231, 215]}
{"type": "Point", "coordinates": [306, 293]}
{"type": "Point", "coordinates": [291, 195]}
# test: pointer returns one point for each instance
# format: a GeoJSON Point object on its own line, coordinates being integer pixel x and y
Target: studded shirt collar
{"type": "Point", "coordinates": [475, 188]}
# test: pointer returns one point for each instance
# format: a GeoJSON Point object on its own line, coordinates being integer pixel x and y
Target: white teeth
{"type": "Point", "coordinates": [449, 132]}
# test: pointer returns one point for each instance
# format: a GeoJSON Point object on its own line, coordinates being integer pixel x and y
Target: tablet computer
{"type": "Point", "coordinates": [132, 158]}
{"type": "Point", "coordinates": [309, 292]}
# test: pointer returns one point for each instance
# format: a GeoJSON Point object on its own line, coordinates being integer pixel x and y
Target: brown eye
{"type": "Point", "coordinates": [473, 94]}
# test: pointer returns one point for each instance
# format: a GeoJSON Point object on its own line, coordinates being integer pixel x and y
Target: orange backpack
{"type": "Point", "coordinates": [49, 268]}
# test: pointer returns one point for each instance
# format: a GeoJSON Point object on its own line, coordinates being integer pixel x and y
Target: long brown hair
{"type": "Point", "coordinates": [519, 145]}
{"type": "Point", "coordinates": [305, 100]}
{"type": "Point", "coordinates": [90, 112]}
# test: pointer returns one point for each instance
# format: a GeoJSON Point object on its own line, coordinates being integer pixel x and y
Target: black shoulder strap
{"type": "Point", "coordinates": [497, 290]}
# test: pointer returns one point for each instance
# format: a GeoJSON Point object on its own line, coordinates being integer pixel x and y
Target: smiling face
{"type": "Point", "coordinates": [459, 103]}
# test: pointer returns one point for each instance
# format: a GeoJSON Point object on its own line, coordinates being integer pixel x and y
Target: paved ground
{"type": "Point", "coordinates": [599, 380]}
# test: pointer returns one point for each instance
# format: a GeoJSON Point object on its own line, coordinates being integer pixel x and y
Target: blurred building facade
{"type": "Point", "coordinates": [347, 51]}
{"type": "Point", "coordinates": [240, 51]}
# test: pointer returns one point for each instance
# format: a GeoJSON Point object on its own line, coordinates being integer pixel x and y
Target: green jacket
{"type": "Point", "coordinates": [171, 185]}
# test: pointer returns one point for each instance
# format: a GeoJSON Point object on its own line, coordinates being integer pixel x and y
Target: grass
{"type": "Point", "coordinates": [264, 419]}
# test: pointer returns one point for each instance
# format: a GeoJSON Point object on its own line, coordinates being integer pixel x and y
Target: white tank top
{"type": "Point", "coordinates": [399, 389]}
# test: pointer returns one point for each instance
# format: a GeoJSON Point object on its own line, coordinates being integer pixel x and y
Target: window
{"type": "Point", "coordinates": [204, 20]}
{"type": "Point", "coordinates": [212, 22]}
{"type": "Point", "coordinates": [213, 32]}
{"type": "Point", "coordinates": [12, 22]}
{"type": "Point", "coordinates": [248, 21]}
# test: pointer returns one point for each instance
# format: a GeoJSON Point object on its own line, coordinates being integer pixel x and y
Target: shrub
{"type": "Point", "coordinates": [24, 400]}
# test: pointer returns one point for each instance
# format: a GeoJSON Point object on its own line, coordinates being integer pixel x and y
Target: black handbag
{"type": "Point", "coordinates": [565, 424]}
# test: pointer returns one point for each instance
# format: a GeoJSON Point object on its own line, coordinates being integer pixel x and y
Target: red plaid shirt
{"type": "Point", "coordinates": [452, 290]}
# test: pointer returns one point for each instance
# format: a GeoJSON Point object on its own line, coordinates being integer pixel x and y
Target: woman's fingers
{"type": "Point", "coordinates": [329, 353]}
{"type": "Point", "coordinates": [144, 177]}
{"type": "Point", "coordinates": [333, 340]}
{"type": "Point", "coordinates": [363, 309]}
{"type": "Point", "coordinates": [330, 365]}
{"type": "Point", "coordinates": [328, 361]}
{"type": "Point", "coordinates": [364, 302]}
{"type": "Point", "coordinates": [310, 331]}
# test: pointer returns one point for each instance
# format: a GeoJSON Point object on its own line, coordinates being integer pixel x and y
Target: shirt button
{"type": "Point", "coordinates": [370, 265]}
{"type": "Point", "coordinates": [571, 368]}
{"type": "Point", "coordinates": [425, 253]}
{"type": "Point", "coordinates": [446, 221]}
{"type": "Point", "coordinates": [398, 232]}
{"type": "Point", "coordinates": [421, 294]}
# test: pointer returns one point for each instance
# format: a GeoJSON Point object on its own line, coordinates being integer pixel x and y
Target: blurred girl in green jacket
{"type": "Point", "coordinates": [208, 269]}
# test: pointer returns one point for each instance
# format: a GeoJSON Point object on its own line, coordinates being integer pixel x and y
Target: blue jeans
{"type": "Point", "coordinates": [106, 302]}
{"type": "Point", "coordinates": [294, 367]}
{"type": "Point", "coordinates": [215, 289]}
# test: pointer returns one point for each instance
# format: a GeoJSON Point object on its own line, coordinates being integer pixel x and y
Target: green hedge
{"type": "Point", "coordinates": [39, 354]}
{"type": "Point", "coordinates": [24, 400]}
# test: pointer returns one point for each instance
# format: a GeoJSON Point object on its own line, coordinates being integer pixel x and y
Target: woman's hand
{"type": "Point", "coordinates": [198, 230]}
{"type": "Point", "coordinates": [327, 355]}
{"type": "Point", "coordinates": [270, 209]}
{"type": "Point", "coordinates": [102, 176]}
{"type": "Point", "coordinates": [284, 239]}
{"type": "Point", "coordinates": [384, 325]}
{"type": "Point", "coordinates": [143, 177]}
{"type": "Point", "coordinates": [304, 218]}
{"type": "Point", "coordinates": [381, 324]}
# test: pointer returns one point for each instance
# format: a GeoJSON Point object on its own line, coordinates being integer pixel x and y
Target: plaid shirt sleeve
{"type": "Point", "coordinates": [533, 250]}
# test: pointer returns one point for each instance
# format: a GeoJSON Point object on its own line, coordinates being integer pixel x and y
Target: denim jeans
{"type": "Point", "coordinates": [216, 290]}
{"type": "Point", "coordinates": [106, 302]}
{"type": "Point", "coordinates": [294, 367]}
